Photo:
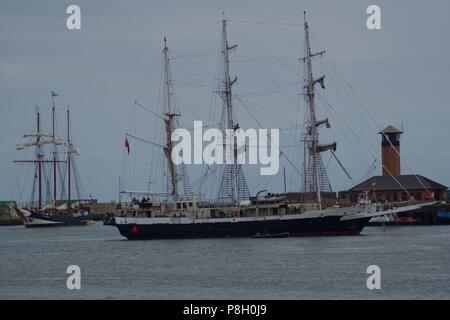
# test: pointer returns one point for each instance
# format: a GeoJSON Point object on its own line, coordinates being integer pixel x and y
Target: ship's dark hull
{"type": "Point", "coordinates": [37, 220]}
{"type": "Point", "coordinates": [323, 226]}
{"type": "Point", "coordinates": [52, 217]}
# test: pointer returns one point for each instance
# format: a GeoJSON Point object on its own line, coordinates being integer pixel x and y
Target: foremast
{"type": "Point", "coordinates": [315, 177]}
{"type": "Point", "coordinates": [170, 122]}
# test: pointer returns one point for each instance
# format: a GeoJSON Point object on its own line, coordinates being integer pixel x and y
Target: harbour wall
{"type": "Point", "coordinates": [7, 218]}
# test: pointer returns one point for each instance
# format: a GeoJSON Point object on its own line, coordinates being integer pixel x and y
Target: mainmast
{"type": "Point", "coordinates": [229, 102]}
{"type": "Point", "coordinates": [316, 179]}
{"type": "Point", "coordinates": [169, 123]}
{"type": "Point", "coordinates": [69, 155]}
{"type": "Point", "coordinates": [39, 157]}
{"type": "Point", "coordinates": [233, 186]}
{"type": "Point", "coordinates": [54, 146]}
{"type": "Point", "coordinates": [226, 76]}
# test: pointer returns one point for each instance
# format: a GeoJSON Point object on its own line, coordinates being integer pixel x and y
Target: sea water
{"type": "Point", "coordinates": [414, 263]}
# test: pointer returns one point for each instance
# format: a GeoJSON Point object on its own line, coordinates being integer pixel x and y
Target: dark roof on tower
{"type": "Point", "coordinates": [388, 183]}
{"type": "Point", "coordinates": [390, 129]}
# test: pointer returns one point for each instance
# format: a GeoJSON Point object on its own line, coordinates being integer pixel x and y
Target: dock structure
{"type": "Point", "coordinates": [392, 186]}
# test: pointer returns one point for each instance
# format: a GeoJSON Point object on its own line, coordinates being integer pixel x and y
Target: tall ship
{"type": "Point", "coordinates": [53, 168]}
{"type": "Point", "coordinates": [178, 213]}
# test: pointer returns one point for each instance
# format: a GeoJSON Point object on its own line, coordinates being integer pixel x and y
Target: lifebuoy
{"type": "Point", "coordinates": [427, 196]}
{"type": "Point", "coordinates": [135, 230]}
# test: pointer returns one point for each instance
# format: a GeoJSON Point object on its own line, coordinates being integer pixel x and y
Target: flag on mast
{"type": "Point", "coordinates": [54, 94]}
{"type": "Point", "coordinates": [127, 145]}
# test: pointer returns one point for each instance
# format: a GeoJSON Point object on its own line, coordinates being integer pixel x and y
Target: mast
{"type": "Point", "coordinates": [54, 150]}
{"type": "Point", "coordinates": [305, 148]}
{"type": "Point", "coordinates": [69, 205]}
{"type": "Point", "coordinates": [233, 187]}
{"type": "Point", "coordinates": [39, 158]}
{"type": "Point", "coordinates": [169, 123]}
{"type": "Point", "coordinates": [312, 114]}
{"type": "Point", "coordinates": [315, 170]}
{"type": "Point", "coordinates": [229, 104]}
{"type": "Point", "coordinates": [226, 75]}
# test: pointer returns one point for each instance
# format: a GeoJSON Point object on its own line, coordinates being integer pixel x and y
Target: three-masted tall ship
{"type": "Point", "coordinates": [49, 165]}
{"type": "Point", "coordinates": [235, 213]}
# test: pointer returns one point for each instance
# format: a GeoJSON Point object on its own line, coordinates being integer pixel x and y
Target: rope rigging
{"type": "Point", "coordinates": [361, 136]}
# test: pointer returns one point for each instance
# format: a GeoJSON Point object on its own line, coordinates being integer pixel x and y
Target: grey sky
{"type": "Point", "coordinates": [400, 72]}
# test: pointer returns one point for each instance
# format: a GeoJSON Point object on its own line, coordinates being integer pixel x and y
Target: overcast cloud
{"type": "Point", "coordinates": [400, 72]}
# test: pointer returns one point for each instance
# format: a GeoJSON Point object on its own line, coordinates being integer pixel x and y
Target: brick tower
{"type": "Point", "coordinates": [390, 151]}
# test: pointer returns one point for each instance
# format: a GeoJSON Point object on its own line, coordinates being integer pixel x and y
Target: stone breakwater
{"type": "Point", "coordinates": [7, 218]}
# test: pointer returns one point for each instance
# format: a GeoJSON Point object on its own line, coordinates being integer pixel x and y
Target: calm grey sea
{"type": "Point", "coordinates": [414, 262]}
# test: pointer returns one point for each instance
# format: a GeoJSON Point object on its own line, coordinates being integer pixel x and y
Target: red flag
{"type": "Point", "coordinates": [127, 145]}
{"type": "Point", "coordinates": [322, 82]}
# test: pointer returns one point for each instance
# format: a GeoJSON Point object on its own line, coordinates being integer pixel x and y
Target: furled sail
{"type": "Point", "coordinates": [38, 134]}
{"type": "Point", "coordinates": [25, 213]}
{"type": "Point", "coordinates": [73, 148]}
{"type": "Point", "coordinates": [55, 141]}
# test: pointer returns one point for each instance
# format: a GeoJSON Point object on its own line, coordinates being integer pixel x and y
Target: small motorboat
{"type": "Point", "coordinates": [271, 235]}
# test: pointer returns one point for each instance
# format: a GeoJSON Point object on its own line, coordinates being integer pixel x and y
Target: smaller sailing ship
{"type": "Point", "coordinates": [47, 166]}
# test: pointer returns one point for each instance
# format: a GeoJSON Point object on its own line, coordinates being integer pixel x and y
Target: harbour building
{"type": "Point", "coordinates": [391, 185]}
